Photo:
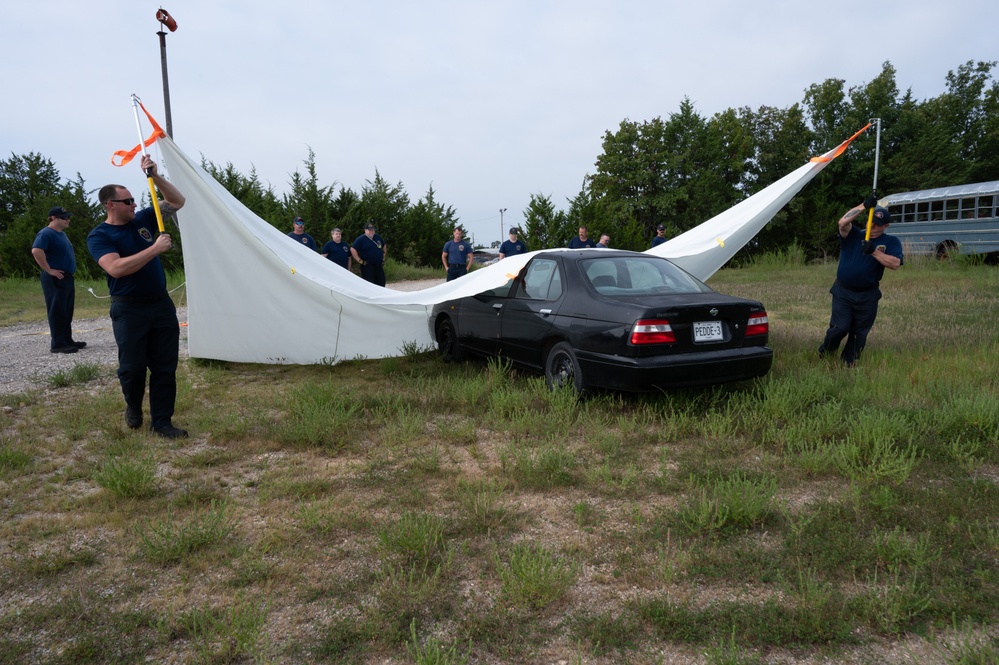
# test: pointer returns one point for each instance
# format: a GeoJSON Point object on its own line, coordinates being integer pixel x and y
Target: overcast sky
{"type": "Point", "coordinates": [489, 102]}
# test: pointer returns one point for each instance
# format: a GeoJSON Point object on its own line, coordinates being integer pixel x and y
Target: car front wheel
{"type": "Point", "coordinates": [447, 342]}
{"type": "Point", "coordinates": [562, 369]}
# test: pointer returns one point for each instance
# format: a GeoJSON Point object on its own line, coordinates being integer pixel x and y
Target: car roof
{"type": "Point", "coordinates": [577, 254]}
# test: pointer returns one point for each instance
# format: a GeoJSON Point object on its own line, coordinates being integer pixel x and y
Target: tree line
{"type": "Point", "coordinates": [678, 170]}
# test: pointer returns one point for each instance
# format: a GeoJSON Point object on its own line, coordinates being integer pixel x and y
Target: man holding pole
{"type": "Point", "coordinates": [856, 292]}
{"type": "Point", "coordinates": [143, 317]}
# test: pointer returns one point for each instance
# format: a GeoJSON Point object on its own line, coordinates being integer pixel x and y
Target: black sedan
{"type": "Point", "coordinates": [609, 319]}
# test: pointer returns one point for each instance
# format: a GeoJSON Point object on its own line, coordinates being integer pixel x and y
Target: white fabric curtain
{"type": "Point", "coordinates": [256, 296]}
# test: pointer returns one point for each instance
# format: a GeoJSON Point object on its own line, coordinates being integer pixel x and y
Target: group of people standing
{"type": "Point", "coordinates": [147, 331]}
{"type": "Point", "coordinates": [368, 250]}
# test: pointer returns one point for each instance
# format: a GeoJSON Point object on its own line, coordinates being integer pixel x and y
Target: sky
{"type": "Point", "coordinates": [486, 102]}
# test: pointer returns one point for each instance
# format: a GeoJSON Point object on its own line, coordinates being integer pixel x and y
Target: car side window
{"type": "Point", "coordinates": [542, 281]}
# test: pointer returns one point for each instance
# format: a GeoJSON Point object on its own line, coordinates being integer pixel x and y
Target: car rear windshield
{"type": "Point", "coordinates": [638, 276]}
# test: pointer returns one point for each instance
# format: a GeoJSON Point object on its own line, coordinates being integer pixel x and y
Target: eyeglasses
{"type": "Point", "coordinates": [127, 202]}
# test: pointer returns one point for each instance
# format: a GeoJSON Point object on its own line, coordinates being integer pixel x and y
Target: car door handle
{"type": "Point", "coordinates": [497, 306]}
{"type": "Point", "coordinates": [544, 312]}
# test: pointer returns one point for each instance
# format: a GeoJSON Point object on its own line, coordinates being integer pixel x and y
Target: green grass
{"type": "Point", "coordinates": [21, 300]}
{"type": "Point", "coordinates": [78, 373]}
{"type": "Point", "coordinates": [431, 513]}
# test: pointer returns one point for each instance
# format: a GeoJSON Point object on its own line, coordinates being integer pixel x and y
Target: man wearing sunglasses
{"type": "Point", "coordinates": [143, 317]}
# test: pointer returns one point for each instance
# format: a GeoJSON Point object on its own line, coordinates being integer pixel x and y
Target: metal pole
{"type": "Point", "coordinates": [166, 83]}
{"type": "Point", "coordinates": [877, 155]}
{"type": "Point", "coordinates": [502, 210]}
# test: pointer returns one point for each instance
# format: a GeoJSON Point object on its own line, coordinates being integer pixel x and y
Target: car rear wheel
{"type": "Point", "coordinates": [447, 342]}
{"type": "Point", "coordinates": [562, 369]}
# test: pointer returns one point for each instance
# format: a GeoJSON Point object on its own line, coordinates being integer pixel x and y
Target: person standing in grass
{"type": "Point", "coordinates": [856, 291]}
{"type": "Point", "coordinates": [369, 250]}
{"type": "Point", "coordinates": [336, 250]}
{"type": "Point", "coordinates": [54, 254]}
{"type": "Point", "coordinates": [457, 256]}
{"type": "Point", "coordinates": [143, 317]}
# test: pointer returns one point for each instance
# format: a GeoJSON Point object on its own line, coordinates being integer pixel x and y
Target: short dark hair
{"type": "Point", "coordinates": [108, 192]}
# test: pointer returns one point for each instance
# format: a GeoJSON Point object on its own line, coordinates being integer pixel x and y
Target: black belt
{"type": "Point", "coordinates": [848, 288]}
{"type": "Point", "coordinates": [140, 300]}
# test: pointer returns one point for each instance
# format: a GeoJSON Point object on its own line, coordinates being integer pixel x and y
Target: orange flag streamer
{"type": "Point", "coordinates": [127, 155]}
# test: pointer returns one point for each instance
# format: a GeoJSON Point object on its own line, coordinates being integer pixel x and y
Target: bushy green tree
{"type": "Point", "coordinates": [262, 201]}
{"type": "Point", "coordinates": [385, 205]}
{"type": "Point", "coordinates": [545, 227]}
{"type": "Point", "coordinates": [29, 186]}
{"type": "Point", "coordinates": [313, 202]}
{"type": "Point", "coordinates": [428, 225]}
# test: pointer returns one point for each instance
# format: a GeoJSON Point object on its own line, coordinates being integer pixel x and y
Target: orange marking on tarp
{"type": "Point", "coordinates": [841, 148]}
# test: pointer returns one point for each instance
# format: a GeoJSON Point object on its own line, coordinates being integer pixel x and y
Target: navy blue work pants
{"type": "Point", "coordinates": [456, 270]}
{"type": "Point", "coordinates": [60, 300]}
{"type": "Point", "coordinates": [373, 273]}
{"type": "Point", "coordinates": [148, 335]}
{"type": "Point", "coordinates": [853, 315]}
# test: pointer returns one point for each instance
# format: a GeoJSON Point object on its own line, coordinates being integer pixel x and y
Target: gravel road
{"type": "Point", "coordinates": [26, 362]}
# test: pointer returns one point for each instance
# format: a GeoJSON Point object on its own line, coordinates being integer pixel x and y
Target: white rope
{"type": "Point", "coordinates": [108, 296]}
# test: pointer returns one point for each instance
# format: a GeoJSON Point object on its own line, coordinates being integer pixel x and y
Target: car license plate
{"type": "Point", "coordinates": [708, 331]}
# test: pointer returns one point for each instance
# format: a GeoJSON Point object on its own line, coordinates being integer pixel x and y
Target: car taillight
{"type": "Point", "coordinates": [652, 331]}
{"type": "Point", "coordinates": [758, 324]}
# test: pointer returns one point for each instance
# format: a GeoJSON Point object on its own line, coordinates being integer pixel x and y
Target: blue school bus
{"type": "Point", "coordinates": [947, 220]}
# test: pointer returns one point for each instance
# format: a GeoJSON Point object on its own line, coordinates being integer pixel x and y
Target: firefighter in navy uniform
{"type": "Point", "coordinates": [856, 291]}
{"type": "Point", "coordinates": [457, 256]}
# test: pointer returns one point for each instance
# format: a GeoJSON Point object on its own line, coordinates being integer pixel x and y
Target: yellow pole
{"type": "Point", "coordinates": [159, 213]}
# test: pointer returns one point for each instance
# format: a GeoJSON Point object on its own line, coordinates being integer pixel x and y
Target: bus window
{"type": "Point", "coordinates": [936, 211]}
{"type": "Point", "coordinates": [923, 211]}
{"type": "Point", "coordinates": [984, 207]}
{"type": "Point", "coordinates": [967, 208]}
{"type": "Point", "coordinates": [951, 209]}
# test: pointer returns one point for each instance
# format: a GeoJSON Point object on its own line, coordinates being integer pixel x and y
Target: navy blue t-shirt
{"type": "Point", "coordinates": [457, 252]}
{"type": "Point", "coordinates": [304, 239]}
{"type": "Point", "coordinates": [859, 271]}
{"type": "Point", "coordinates": [127, 240]}
{"type": "Point", "coordinates": [658, 241]}
{"type": "Point", "coordinates": [370, 249]}
{"type": "Point", "coordinates": [57, 248]}
{"type": "Point", "coordinates": [576, 243]}
{"type": "Point", "coordinates": [337, 252]}
{"type": "Point", "coordinates": [511, 248]}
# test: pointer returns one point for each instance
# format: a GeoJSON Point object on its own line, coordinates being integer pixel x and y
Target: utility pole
{"type": "Point", "coordinates": [166, 21]}
{"type": "Point", "coordinates": [502, 210]}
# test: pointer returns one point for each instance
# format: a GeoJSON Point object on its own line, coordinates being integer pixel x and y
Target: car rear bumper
{"type": "Point", "coordinates": [677, 371]}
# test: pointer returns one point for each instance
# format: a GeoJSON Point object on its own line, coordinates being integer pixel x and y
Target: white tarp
{"type": "Point", "coordinates": [254, 295]}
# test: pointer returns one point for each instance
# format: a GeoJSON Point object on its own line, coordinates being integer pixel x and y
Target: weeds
{"type": "Point", "coordinates": [409, 510]}
{"type": "Point", "coordinates": [221, 634]}
{"type": "Point", "coordinates": [532, 577]}
{"type": "Point", "coordinates": [78, 373]}
{"type": "Point", "coordinates": [432, 652]}
{"type": "Point", "coordinates": [168, 540]}
{"type": "Point", "coordinates": [128, 477]}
